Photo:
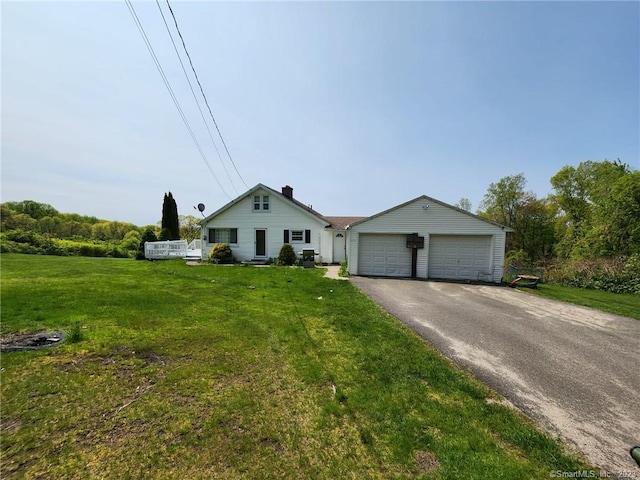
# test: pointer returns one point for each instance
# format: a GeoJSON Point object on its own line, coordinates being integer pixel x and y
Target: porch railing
{"type": "Point", "coordinates": [195, 244]}
{"type": "Point", "coordinates": [165, 249]}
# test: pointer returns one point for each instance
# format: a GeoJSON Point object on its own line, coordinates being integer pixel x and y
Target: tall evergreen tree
{"type": "Point", "coordinates": [170, 216]}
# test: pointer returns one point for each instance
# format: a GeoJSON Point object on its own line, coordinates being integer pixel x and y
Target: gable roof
{"type": "Point", "coordinates": [432, 200]}
{"type": "Point", "coordinates": [295, 203]}
{"type": "Point", "coordinates": [342, 222]}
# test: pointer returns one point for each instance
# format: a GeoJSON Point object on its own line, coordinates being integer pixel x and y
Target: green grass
{"type": "Point", "coordinates": [625, 304]}
{"type": "Point", "coordinates": [231, 372]}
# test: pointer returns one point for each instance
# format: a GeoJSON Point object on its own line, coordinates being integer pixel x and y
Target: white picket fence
{"type": "Point", "coordinates": [169, 249]}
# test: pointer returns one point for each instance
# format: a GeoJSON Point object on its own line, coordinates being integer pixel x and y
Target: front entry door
{"type": "Point", "coordinates": [261, 243]}
{"type": "Point", "coordinates": [338, 248]}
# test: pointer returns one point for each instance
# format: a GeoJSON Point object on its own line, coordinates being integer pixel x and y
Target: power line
{"type": "Point", "coordinates": [195, 98]}
{"type": "Point", "coordinates": [171, 93]}
{"type": "Point", "coordinates": [203, 95]}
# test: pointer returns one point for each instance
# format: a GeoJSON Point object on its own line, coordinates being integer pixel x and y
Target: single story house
{"type": "Point", "coordinates": [422, 238]}
{"type": "Point", "coordinates": [260, 221]}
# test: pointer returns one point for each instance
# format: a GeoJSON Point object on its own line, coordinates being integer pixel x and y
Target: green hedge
{"type": "Point", "coordinates": [30, 243]}
{"type": "Point", "coordinates": [616, 275]}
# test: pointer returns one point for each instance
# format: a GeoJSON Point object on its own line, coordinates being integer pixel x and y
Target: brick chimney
{"type": "Point", "coordinates": [287, 192]}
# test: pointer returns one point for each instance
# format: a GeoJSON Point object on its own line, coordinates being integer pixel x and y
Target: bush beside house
{"type": "Point", "coordinates": [221, 253]}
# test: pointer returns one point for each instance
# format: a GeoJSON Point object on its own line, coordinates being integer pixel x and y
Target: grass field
{"type": "Point", "coordinates": [207, 372]}
{"type": "Point", "coordinates": [625, 304]}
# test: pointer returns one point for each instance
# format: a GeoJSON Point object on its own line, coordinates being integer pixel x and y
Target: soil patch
{"type": "Point", "coordinates": [426, 461]}
{"type": "Point", "coordinates": [30, 341]}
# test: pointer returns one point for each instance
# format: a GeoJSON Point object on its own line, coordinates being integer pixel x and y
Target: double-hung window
{"type": "Point", "coordinates": [260, 203]}
{"type": "Point", "coordinates": [223, 235]}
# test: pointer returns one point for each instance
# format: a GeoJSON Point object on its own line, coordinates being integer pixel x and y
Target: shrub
{"type": "Point", "coordinates": [21, 236]}
{"type": "Point", "coordinates": [9, 246]}
{"type": "Point", "coordinates": [616, 275]}
{"type": "Point", "coordinates": [116, 251]}
{"type": "Point", "coordinates": [165, 234]}
{"type": "Point", "coordinates": [221, 253]}
{"type": "Point", "coordinates": [131, 240]}
{"type": "Point", "coordinates": [287, 256]}
{"type": "Point", "coordinates": [147, 236]}
{"type": "Point", "coordinates": [93, 250]}
{"type": "Point", "coordinates": [344, 269]}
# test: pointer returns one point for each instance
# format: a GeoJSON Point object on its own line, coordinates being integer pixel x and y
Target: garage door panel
{"type": "Point", "coordinates": [384, 256]}
{"type": "Point", "coordinates": [466, 262]}
{"type": "Point", "coordinates": [459, 257]}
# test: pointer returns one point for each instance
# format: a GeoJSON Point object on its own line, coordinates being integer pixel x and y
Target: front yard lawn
{"type": "Point", "coordinates": [625, 304]}
{"type": "Point", "coordinates": [207, 372]}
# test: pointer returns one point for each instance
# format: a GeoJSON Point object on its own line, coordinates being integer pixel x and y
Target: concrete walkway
{"type": "Point", "coordinates": [332, 272]}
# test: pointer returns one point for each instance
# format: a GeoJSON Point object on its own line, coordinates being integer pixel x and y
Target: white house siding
{"type": "Point", "coordinates": [282, 214]}
{"type": "Point", "coordinates": [426, 217]}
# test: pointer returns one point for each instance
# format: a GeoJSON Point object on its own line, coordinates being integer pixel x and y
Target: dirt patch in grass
{"type": "Point", "coordinates": [10, 425]}
{"type": "Point", "coordinates": [125, 360]}
{"type": "Point", "coordinates": [30, 341]}
{"type": "Point", "coordinates": [426, 461]}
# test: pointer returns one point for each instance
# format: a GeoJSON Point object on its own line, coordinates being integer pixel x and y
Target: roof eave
{"type": "Point", "coordinates": [250, 192]}
{"type": "Point", "coordinates": [434, 200]}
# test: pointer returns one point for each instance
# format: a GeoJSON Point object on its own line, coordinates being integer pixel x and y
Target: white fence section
{"type": "Point", "coordinates": [169, 249]}
{"type": "Point", "coordinates": [194, 250]}
{"type": "Point", "coordinates": [165, 250]}
{"type": "Point", "coordinates": [195, 244]}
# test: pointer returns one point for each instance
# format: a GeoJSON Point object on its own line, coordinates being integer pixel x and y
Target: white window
{"type": "Point", "coordinates": [260, 203]}
{"type": "Point", "coordinates": [223, 235]}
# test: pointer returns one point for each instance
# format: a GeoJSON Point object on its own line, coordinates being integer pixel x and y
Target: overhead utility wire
{"type": "Point", "coordinates": [173, 96]}
{"type": "Point", "coordinates": [203, 95]}
{"type": "Point", "coordinates": [195, 98]}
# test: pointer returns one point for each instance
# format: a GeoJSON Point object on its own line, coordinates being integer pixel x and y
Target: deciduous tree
{"type": "Point", "coordinates": [506, 202]}
{"type": "Point", "coordinates": [584, 195]}
{"type": "Point", "coordinates": [189, 227]}
{"type": "Point", "coordinates": [464, 204]}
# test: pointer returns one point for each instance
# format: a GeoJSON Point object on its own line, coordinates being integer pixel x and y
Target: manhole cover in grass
{"type": "Point", "coordinates": [30, 341]}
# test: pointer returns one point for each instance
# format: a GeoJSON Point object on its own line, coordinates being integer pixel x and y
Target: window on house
{"type": "Point", "coordinates": [297, 236]}
{"type": "Point", "coordinates": [223, 235]}
{"type": "Point", "coordinates": [260, 202]}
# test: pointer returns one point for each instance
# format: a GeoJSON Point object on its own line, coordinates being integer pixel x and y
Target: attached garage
{"type": "Point", "coordinates": [384, 256]}
{"type": "Point", "coordinates": [453, 244]}
{"type": "Point", "coordinates": [460, 257]}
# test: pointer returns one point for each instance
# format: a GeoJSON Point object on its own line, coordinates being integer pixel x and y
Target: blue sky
{"type": "Point", "coordinates": [359, 106]}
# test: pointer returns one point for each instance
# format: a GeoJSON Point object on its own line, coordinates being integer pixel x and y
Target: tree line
{"type": "Point", "coordinates": [593, 212]}
{"type": "Point", "coordinates": [33, 227]}
{"type": "Point", "coordinates": [586, 233]}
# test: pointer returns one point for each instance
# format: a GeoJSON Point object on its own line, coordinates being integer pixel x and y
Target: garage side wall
{"type": "Point", "coordinates": [426, 218]}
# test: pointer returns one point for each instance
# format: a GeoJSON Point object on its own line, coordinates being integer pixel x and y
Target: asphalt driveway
{"type": "Point", "coordinates": [575, 370]}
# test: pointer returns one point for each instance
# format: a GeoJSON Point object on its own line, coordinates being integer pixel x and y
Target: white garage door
{"type": "Point", "coordinates": [459, 257]}
{"type": "Point", "coordinates": [384, 255]}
